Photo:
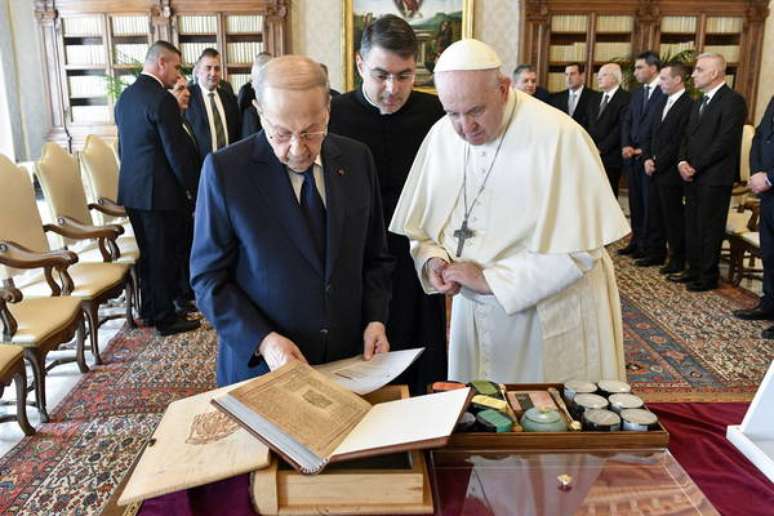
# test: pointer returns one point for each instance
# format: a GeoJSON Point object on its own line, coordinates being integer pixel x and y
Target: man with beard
{"type": "Point", "coordinates": [392, 120]}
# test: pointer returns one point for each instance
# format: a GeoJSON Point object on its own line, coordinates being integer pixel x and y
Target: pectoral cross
{"type": "Point", "coordinates": [461, 235]}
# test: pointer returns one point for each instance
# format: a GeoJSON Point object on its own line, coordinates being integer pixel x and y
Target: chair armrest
{"type": "Point", "coordinates": [108, 207]}
{"type": "Point", "coordinates": [106, 235]}
{"type": "Point", "coordinates": [19, 257]}
{"type": "Point", "coordinates": [8, 294]}
{"type": "Point", "coordinates": [754, 205]}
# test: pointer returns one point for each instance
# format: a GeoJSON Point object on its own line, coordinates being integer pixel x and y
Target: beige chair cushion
{"type": "Point", "coordinates": [20, 220]}
{"type": "Point", "coordinates": [736, 223]}
{"type": "Point", "coordinates": [90, 280]}
{"type": "Point", "coordinates": [99, 168]}
{"type": "Point", "coordinates": [39, 318]}
{"type": "Point", "coordinates": [10, 356]}
{"type": "Point", "coordinates": [748, 133]}
{"type": "Point", "coordinates": [60, 179]}
{"type": "Point", "coordinates": [130, 253]}
{"type": "Point", "coordinates": [752, 238]}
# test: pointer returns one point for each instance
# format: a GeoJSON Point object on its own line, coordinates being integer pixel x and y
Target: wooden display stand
{"type": "Point", "coordinates": [392, 484]}
{"type": "Point", "coordinates": [755, 436]}
{"type": "Point", "coordinates": [554, 441]}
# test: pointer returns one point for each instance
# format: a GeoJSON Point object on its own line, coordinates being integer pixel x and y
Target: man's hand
{"type": "Point", "coordinates": [374, 340]}
{"type": "Point", "coordinates": [627, 152]}
{"type": "Point", "coordinates": [759, 183]}
{"type": "Point", "coordinates": [467, 274]}
{"type": "Point", "coordinates": [637, 152]}
{"type": "Point", "coordinates": [650, 167]}
{"type": "Point", "coordinates": [686, 171]}
{"type": "Point", "coordinates": [434, 269]}
{"type": "Point", "coordinates": [278, 351]}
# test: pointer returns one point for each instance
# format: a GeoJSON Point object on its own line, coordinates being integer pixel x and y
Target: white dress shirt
{"type": "Point", "coordinates": [674, 97]}
{"type": "Point", "coordinates": [297, 180]}
{"type": "Point", "coordinates": [208, 108]}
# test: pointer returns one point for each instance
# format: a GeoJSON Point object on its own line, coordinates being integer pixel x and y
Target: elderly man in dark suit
{"type": "Point", "coordinates": [762, 168]}
{"type": "Point", "coordinates": [156, 183]}
{"type": "Point", "coordinates": [606, 113]}
{"type": "Point", "coordinates": [709, 165]}
{"type": "Point", "coordinates": [576, 99]}
{"type": "Point", "coordinates": [290, 257]}
{"type": "Point", "coordinates": [636, 124]}
{"type": "Point", "coordinates": [213, 112]}
{"type": "Point", "coordinates": [666, 217]}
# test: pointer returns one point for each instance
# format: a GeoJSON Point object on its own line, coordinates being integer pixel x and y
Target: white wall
{"type": "Point", "coordinates": [766, 77]}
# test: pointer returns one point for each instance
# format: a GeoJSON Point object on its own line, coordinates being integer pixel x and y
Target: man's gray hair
{"type": "Point", "coordinates": [159, 49]}
{"type": "Point", "coordinates": [290, 72]}
{"type": "Point", "coordinates": [719, 60]}
{"type": "Point", "coordinates": [259, 62]}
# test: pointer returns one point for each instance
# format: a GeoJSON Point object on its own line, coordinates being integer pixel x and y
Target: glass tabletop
{"type": "Point", "coordinates": [559, 483]}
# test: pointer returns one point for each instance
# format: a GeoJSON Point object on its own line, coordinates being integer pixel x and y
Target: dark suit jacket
{"type": "Point", "coordinates": [712, 143]}
{"type": "Point", "coordinates": [197, 116]}
{"type": "Point", "coordinates": [156, 168]}
{"type": "Point", "coordinates": [192, 146]}
{"type": "Point", "coordinates": [762, 150]}
{"type": "Point", "coordinates": [543, 94]}
{"type": "Point", "coordinates": [605, 130]}
{"type": "Point", "coordinates": [246, 96]}
{"type": "Point", "coordinates": [251, 122]}
{"type": "Point", "coordinates": [662, 142]}
{"type": "Point", "coordinates": [581, 113]}
{"type": "Point", "coordinates": [255, 270]}
{"type": "Point", "coordinates": [637, 121]}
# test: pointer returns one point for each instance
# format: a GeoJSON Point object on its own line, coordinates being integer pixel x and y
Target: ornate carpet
{"type": "Point", "coordinates": [679, 346]}
{"type": "Point", "coordinates": [686, 346]}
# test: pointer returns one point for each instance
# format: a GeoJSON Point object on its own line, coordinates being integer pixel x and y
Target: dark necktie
{"type": "Point", "coordinates": [645, 99]}
{"type": "Point", "coordinates": [220, 134]}
{"type": "Point", "coordinates": [314, 211]}
{"type": "Point", "coordinates": [703, 106]}
{"type": "Point", "coordinates": [602, 106]}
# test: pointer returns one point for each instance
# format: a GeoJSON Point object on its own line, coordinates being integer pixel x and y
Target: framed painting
{"type": "Point", "coordinates": [437, 24]}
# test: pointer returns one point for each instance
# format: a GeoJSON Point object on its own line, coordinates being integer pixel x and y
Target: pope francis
{"type": "Point", "coordinates": [507, 204]}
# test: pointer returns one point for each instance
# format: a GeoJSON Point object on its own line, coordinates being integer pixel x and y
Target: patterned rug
{"type": "Point", "coordinates": [73, 464]}
{"type": "Point", "coordinates": [686, 346]}
{"type": "Point", "coordinates": [679, 346]}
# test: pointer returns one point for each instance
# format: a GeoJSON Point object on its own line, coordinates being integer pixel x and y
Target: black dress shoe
{"type": "Point", "coordinates": [683, 277]}
{"type": "Point", "coordinates": [700, 286]}
{"type": "Point", "coordinates": [649, 261]}
{"type": "Point", "coordinates": [629, 249]}
{"type": "Point", "coordinates": [671, 268]}
{"type": "Point", "coordinates": [176, 325]}
{"type": "Point", "coordinates": [768, 333]}
{"type": "Point", "coordinates": [638, 254]}
{"type": "Point", "coordinates": [185, 307]}
{"type": "Point", "coordinates": [754, 314]}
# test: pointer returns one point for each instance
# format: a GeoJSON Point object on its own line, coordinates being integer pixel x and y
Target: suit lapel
{"type": "Point", "coordinates": [334, 173]}
{"type": "Point", "coordinates": [204, 122]}
{"type": "Point", "coordinates": [271, 178]}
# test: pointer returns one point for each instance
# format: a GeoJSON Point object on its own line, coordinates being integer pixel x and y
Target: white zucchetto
{"type": "Point", "coordinates": [467, 54]}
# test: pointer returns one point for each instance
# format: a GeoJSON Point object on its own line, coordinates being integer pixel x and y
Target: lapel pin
{"type": "Point", "coordinates": [340, 171]}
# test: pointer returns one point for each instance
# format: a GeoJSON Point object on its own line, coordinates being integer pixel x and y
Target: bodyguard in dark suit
{"type": "Point", "coordinates": [524, 78]}
{"type": "Point", "coordinates": [636, 124]}
{"type": "Point", "coordinates": [576, 99]}
{"type": "Point", "coordinates": [606, 113]}
{"type": "Point", "coordinates": [709, 165]}
{"type": "Point", "coordinates": [666, 216]}
{"type": "Point", "coordinates": [290, 257]}
{"type": "Point", "coordinates": [156, 182]}
{"type": "Point", "coordinates": [213, 112]}
{"type": "Point", "coordinates": [762, 170]}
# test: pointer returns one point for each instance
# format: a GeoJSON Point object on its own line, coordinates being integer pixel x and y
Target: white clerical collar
{"type": "Point", "coordinates": [610, 93]}
{"type": "Point", "coordinates": [711, 93]}
{"type": "Point", "coordinates": [374, 104]}
{"type": "Point", "coordinates": [156, 78]}
{"type": "Point", "coordinates": [676, 95]}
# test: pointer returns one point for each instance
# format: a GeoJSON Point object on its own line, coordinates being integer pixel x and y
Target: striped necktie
{"type": "Point", "coordinates": [220, 134]}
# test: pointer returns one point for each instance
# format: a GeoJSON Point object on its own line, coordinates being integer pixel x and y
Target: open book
{"type": "Point", "coordinates": [310, 421]}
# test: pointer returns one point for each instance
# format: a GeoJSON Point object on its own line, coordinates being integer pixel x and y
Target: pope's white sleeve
{"type": "Point", "coordinates": [421, 251]}
{"type": "Point", "coordinates": [525, 279]}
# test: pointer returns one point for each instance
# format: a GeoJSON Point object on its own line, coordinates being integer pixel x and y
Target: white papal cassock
{"type": "Point", "coordinates": [540, 227]}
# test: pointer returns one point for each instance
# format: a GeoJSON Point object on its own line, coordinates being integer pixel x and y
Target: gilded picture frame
{"type": "Point", "coordinates": [437, 23]}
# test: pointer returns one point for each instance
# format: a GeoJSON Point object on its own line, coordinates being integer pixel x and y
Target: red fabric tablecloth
{"type": "Point", "coordinates": [697, 440]}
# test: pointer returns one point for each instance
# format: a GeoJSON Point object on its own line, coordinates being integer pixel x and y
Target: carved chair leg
{"type": "Point", "coordinates": [135, 287]}
{"type": "Point", "coordinates": [20, 379]}
{"type": "Point", "coordinates": [39, 374]}
{"type": "Point", "coordinates": [129, 295]}
{"type": "Point", "coordinates": [90, 309]}
{"type": "Point", "coordinates": [80, 345]}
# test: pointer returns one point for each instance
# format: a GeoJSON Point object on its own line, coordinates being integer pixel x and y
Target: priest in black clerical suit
{"type": "Point", "coordinates": [392, 120]}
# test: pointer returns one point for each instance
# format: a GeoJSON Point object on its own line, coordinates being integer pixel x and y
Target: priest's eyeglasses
{"type": "Point", "coordinates": [381, 75]}
{"type": "Point", "coordinates": [284, 136]}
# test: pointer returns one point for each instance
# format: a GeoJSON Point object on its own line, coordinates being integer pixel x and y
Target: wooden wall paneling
{"type": "Point", "coordinates": [47, 19]}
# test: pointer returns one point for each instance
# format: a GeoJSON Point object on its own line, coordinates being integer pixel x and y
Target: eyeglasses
{"type": "Point", "coordinates": [380, 75]}
{"type": "Point", "coordinates": [284, 136]}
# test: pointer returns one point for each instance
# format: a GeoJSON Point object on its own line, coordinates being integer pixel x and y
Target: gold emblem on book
{"type": "Point", "coordinates": [211, 427]}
